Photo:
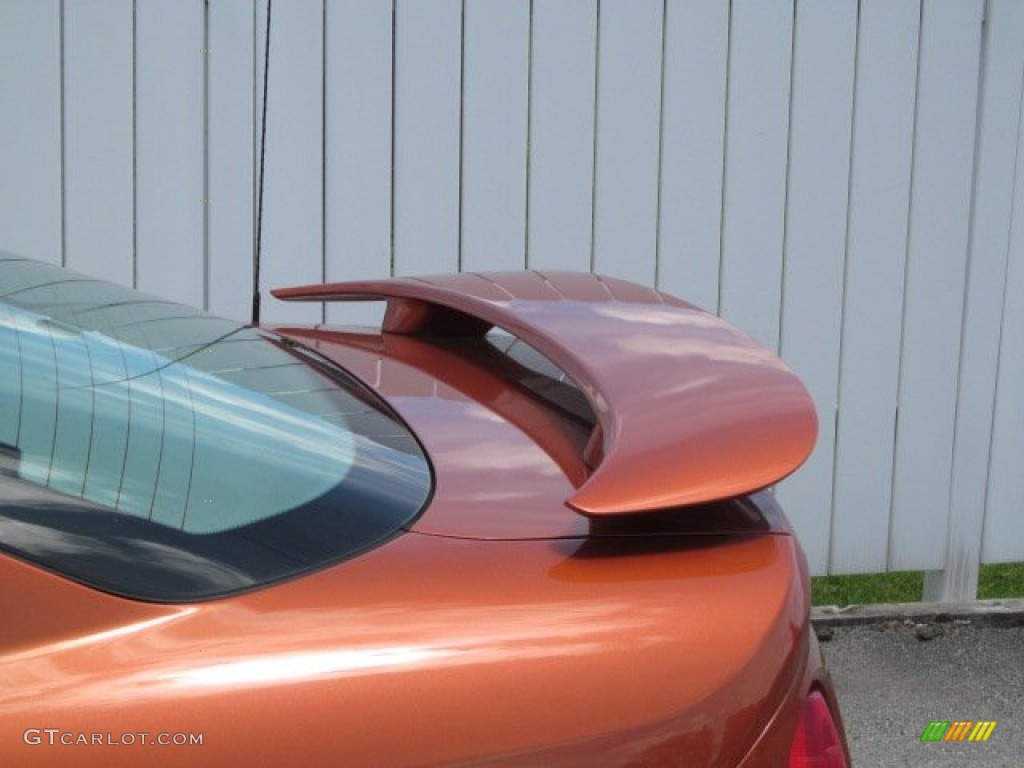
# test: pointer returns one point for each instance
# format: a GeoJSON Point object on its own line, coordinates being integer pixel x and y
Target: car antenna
{"type": "Point", "coordinates": [263, 155]}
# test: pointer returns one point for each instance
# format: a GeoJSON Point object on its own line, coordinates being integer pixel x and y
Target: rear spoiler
{"type": "Point", "coordinates": [689, 410]}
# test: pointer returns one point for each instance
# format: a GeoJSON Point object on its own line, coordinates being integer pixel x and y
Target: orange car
{"type": "Point", "coordinates": [523, 524]}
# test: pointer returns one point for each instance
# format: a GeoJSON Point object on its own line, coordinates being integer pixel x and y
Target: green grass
{"type": "Point", "coordinates": [1002, 580]}
{"type": "Point", "coordinates": [994, 581]}
{"type": "Point", "coordinates": [892, 587]}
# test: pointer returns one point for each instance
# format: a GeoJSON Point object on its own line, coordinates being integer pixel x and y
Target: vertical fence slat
{"type": "Point", "coordinates": [30, 124]}
{"type": "Point", "coordinates": [358, 147]}
{"type": "Point", "coordinates": [293, 193]}
{"type": "Point", "coordinates": [757, 130]}
{"type": "Point", "coordinates": [1004, 524]}
{"type": "Point", "coordinates": [428, 94]}
{"type": "Point", "coordinates": [990, 228]}
{"type": "Point", "coordinates": [819, 164]}
{"type": "Point", "coordinates": [169, 194]}
{"type": "Point", "coordinates": [883, 132]}
{"type": "Point", "coordinates": [561, 172]}
{"type": "Point", "coordinates": [693, 147]}
{"type": "Point", "coordinates": [98, 139]}
{"type": "Point", "coordinates": [494, 142]}
{"type": "Point", "coordinates": [628, 136]}
{"type": "Point", "coordinates": [231, 116]}
{"type": "Point", "coordinates": [936, 261]}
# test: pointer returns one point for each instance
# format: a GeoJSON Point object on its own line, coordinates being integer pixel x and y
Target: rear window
{"type": "Point", "coordinates": [155, 451]}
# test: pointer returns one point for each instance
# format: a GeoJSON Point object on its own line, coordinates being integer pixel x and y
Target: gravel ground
{"type": "Point", "coordinates": [893, 677]}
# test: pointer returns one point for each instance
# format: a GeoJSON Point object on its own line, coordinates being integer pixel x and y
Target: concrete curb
{"type": "Point", "coordinates": [1007, 612]}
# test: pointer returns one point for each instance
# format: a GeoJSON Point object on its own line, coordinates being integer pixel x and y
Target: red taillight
{"type": "Point", "coordinates": [816, 743]}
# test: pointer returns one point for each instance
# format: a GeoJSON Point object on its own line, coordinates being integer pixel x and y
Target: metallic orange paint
{"type": "Point", "coordinates": [500, 630]}
{"type": "Point", "coordinates": [431, 651]}
{"type": "Point", "coordinates": [690, 409]}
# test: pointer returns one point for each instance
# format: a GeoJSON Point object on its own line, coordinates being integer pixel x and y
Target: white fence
{"type": "Point", "coordinates": [837, 177]}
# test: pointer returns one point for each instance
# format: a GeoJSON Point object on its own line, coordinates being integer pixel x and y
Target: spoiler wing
{"type": "Point", "coordinates": [689, 410]}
